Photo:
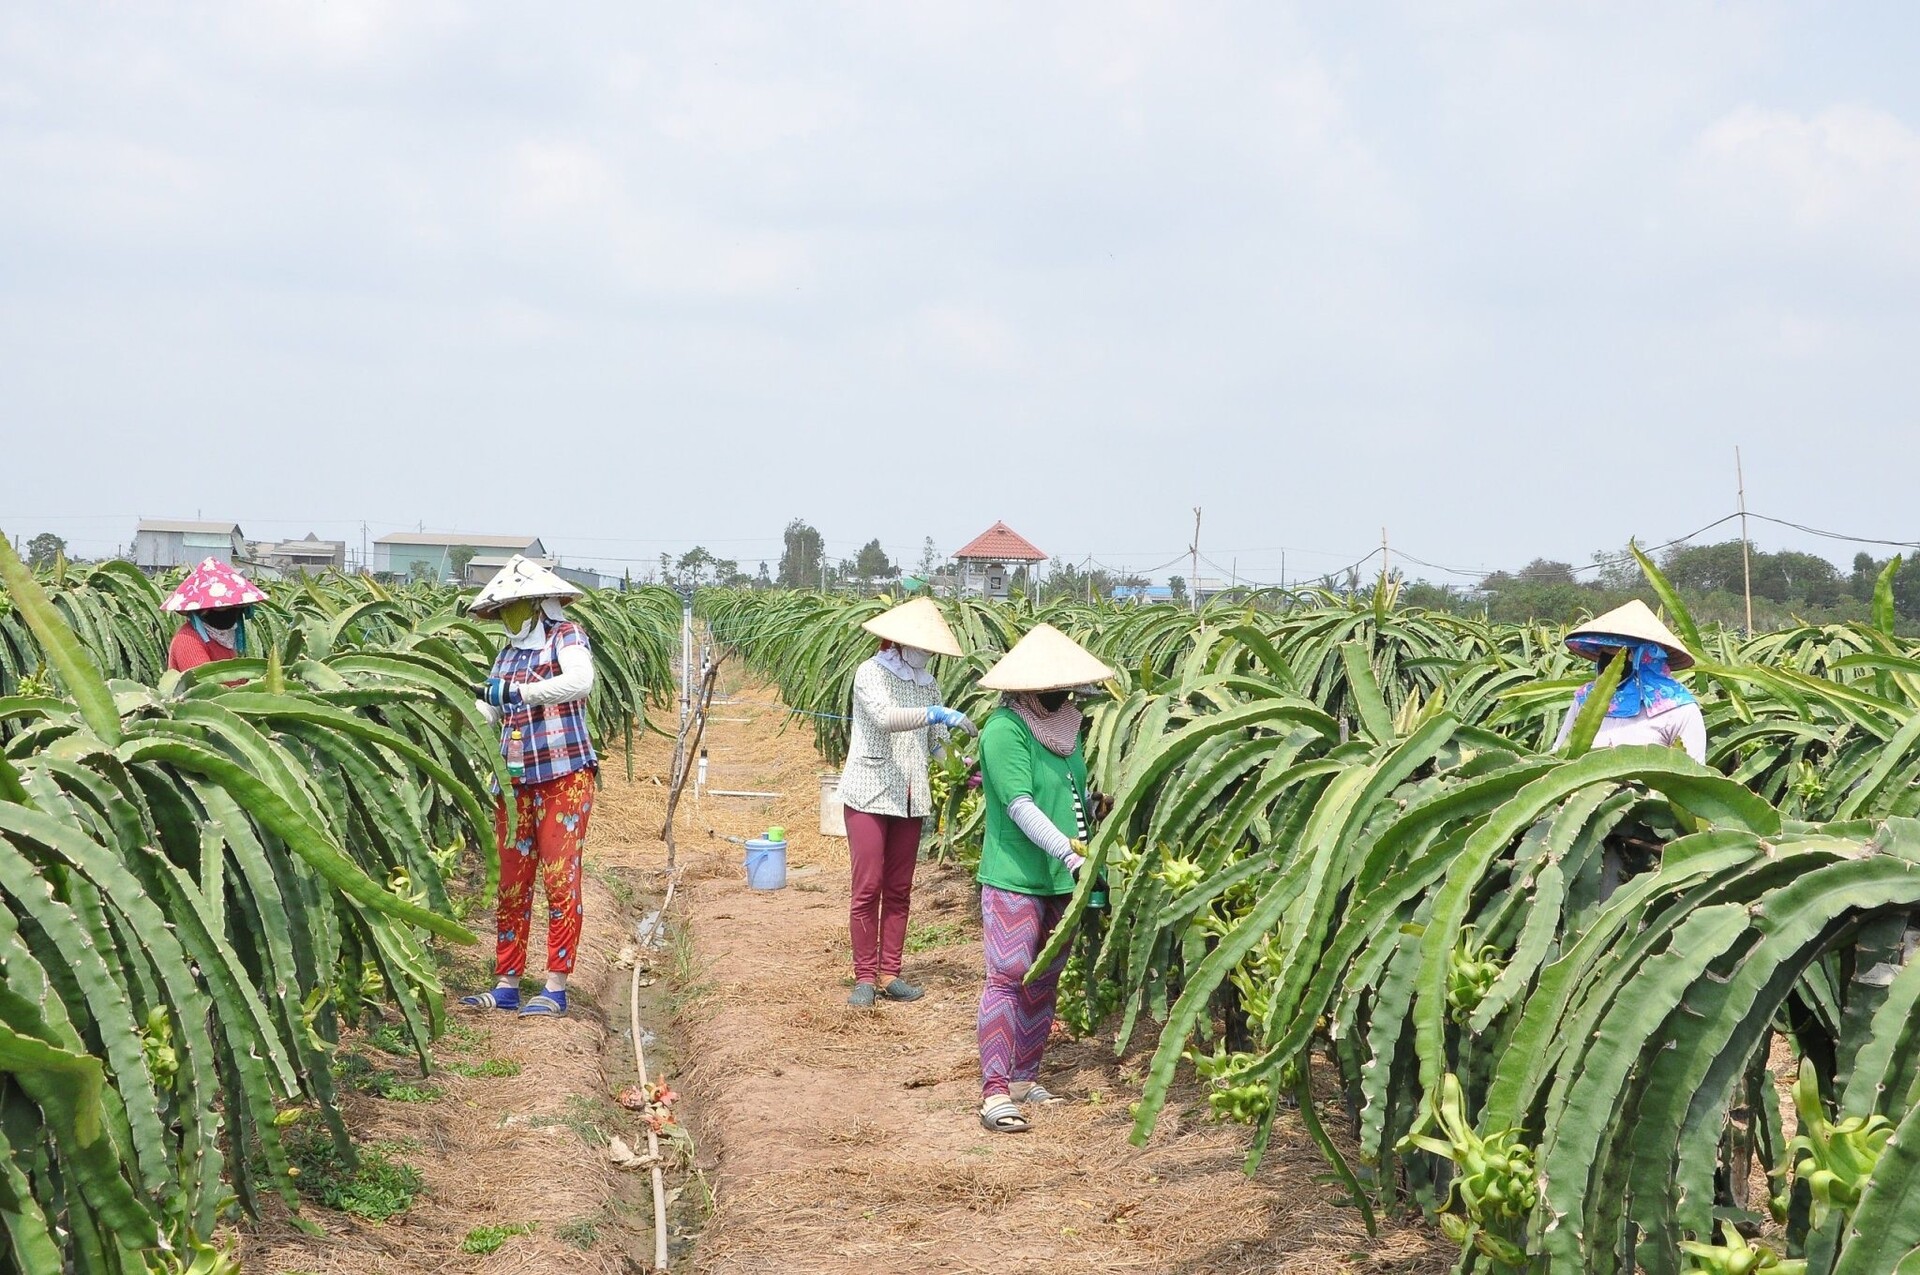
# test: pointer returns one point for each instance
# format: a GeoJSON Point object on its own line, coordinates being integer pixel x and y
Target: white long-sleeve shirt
{"type": "Point", "coordinates": [574, 682]}
{"type": "Point", "coordinates": [1682, 724]}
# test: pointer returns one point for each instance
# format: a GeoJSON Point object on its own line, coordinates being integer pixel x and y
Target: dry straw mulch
{"type": "Point", "coordinates": [846, 1141]}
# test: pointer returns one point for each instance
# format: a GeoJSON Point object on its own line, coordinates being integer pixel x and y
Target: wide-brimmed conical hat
{"type": "Point", "coordinates": [212, 586]}
{"type": "Point", "coordinates": [1636, 620]}
{"type": "Point", "coordinates": [522, 577]}
{"type": "Point", "coordinates": [918, 624]}
{"type": "Point", "coordinates": [1045, 660]}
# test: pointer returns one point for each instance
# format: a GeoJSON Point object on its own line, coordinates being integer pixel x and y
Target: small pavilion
{"type": "Point", "coordinates": [983, 560]}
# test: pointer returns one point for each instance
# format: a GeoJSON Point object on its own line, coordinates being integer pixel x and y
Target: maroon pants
{"type": "Point", "coordinates": [883, 849]}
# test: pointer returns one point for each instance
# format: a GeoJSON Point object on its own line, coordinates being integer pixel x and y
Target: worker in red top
{"type": "Point", "coordinates": [215, 599]}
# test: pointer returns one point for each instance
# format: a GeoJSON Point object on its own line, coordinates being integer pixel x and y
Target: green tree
{"type": "Point", "coordinates": [929, 561]}
{"type": "Point", "coordinates": [800, 561]}
{"type": "Point", "coordinates": [873, 564]}
{"type": "Point", "coordinates": [1179, 586]}
{"type": "Point", "coordinates": [459, 558]}
{"type": "Point", "coordinates": [697, 568]}
{"type": "Point", "coordinates": [44, 548]}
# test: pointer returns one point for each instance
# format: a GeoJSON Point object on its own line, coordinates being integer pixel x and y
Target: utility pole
{"type": "Point", "coordinates": [1746, 553]}
{"type": "Point", "coordinates": [1386, 557]}
{"type": "Point", "coordinates": [1193, 574]}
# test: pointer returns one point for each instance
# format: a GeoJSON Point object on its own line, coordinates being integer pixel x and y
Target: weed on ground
{"type": "Point", "coordinates": [482, 1240]}
{"type": "Point", "coordinates": [377, 1189]}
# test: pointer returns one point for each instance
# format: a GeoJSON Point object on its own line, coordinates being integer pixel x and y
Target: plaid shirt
{"type": "Point", "coordinates": [553, 736]}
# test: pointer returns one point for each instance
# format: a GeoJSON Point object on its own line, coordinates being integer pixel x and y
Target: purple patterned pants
{"type": "Point", "coordinates": [1015, 1017]}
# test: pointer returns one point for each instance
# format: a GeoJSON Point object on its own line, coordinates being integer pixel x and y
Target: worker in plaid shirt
{"type": "Point", "coordinates": [537, 693]}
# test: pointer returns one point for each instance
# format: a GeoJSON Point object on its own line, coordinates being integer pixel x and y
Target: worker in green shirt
{"type": "Point", "coordinates": [1039, 814]}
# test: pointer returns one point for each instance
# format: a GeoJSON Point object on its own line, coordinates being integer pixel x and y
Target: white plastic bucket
{"type": "Point", "coordinates": [833, 815]}
{"type": "Point", "coordinates": [766, 864]}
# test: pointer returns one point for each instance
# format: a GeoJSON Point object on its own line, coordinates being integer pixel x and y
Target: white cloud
{"type": "Point", "coordinates": [1845, 169]}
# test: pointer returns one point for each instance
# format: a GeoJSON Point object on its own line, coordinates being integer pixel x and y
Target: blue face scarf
{"type": "Point", "coordinates": [1645, 687]}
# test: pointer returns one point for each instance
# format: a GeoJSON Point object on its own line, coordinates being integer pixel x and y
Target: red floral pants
{"type": "Point", "coordinates": [552, 829]}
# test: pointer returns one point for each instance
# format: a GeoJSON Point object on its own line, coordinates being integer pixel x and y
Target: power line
{"type": "Point", "coordinates": [1834, 535]}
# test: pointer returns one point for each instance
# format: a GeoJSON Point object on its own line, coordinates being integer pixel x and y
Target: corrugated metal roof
{"type": "Point", "coordinates": [198, 528]}
{"type": "Point", "coordinates": [450, 538]}
{"type": "Point", "coordinates": [501, 560]}
{"type": "Point", "coordinates": [1000, 543]}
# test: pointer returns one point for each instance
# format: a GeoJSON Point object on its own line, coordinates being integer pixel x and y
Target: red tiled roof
{"type": "Point", "coordinates": [1000, 543]}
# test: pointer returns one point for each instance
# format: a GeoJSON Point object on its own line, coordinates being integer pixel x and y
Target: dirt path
{"type": "Point", "coordinates": [824, 1140]}
{"type": "Point", "coordinates": [843, 1141]}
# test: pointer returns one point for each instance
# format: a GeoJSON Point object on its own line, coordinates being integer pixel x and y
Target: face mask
{"type": "Point", "coordinates": [517, 615]}
{"type": "Point", "coordinates": [220, 617]}
{"type": "Point", "coordinates": [915, 658]}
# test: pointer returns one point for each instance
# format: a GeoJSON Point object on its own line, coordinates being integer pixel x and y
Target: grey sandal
{"type": "Point", "coordinates": [863, 996]}
{"type": "Point", "coordinates": [998, 1114]}
{"type": "Point", "coordinates": [901, 990]}
{"type": "Point", "coordinates": [1038, 1094]}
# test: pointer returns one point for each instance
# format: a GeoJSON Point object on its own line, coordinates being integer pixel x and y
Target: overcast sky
{"type": "Point", "coordinates": [1506, 278]}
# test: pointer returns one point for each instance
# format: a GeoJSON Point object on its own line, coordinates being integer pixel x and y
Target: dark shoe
{"type": "Point", "coordinates": [901, 990]}
{"type": "Point", "coordinates": [863, 996]}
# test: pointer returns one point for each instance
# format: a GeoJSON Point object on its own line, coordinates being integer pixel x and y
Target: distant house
{"type": "Point", "coordinates": [484, 566]}
{"type": "Point", "coordinates": [162, 544]}
{"type": "Point", "coordinates": [983, 560]}
{"type": "Point", "coordinates": [1202, 587]}
{"type": "Point", "coordinates": [406, 553]}
{"type": "Point", "coordinates": [309, 556]}
{"type": "Point", "coordinates": [1141, 594]}
{"type": "Point", "coordinates": [587, 577]}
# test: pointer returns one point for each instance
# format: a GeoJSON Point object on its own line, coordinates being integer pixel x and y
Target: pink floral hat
{"type": "Point", "coordinates": [210, 586]}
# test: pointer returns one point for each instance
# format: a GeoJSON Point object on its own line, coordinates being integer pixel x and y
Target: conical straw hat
{"type": "Point", "coordinates": [213, 586]}
{"type": "Point", "coordinates": [1045, 660]}
{"type": "Point", "coordinates": [917, 624]}
{"type": "Point", "coordinates": [1636, 620]}
{"type": "Point", "coordinates": [522, 577]}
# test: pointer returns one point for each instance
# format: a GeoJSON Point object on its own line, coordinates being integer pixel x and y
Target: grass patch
{"type": "Point", "coordinates": [358, 1073]}
{"type": "Point", "coordinates": [589, 1118]}
{"type": "Point", "coordinates": [689, 987]}
{"type": "Point", "coordinates": [461, 1038]}
{"type": "Point", "coordinates": [395, 1146]}
{"type": "Point", "coordinates": [488, 1239]}
{"type": "Point", "coordinates": [623, 891]}
{"type": "Point", "coordinates": [925, 938]}
{"type": "Point", "coordinates": [491, 1069]}
{"type": "Point", "coordinates": [378, 1188]}
{"type": "Point", "coordinates": [583, 1232]}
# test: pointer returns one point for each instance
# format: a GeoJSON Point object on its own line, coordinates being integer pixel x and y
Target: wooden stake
{"type": "Point", "coordinates": [681, 771]}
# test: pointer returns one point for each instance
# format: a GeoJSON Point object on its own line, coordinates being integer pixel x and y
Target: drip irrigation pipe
{"type": "Point", "coordinates": [682, 751]}
{"type": "Point", "coordinates": [640, 1065]}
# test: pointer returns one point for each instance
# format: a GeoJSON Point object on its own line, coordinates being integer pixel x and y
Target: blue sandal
{"type": "Point", "coordinates": [504, 998]}
{"type": "Point", "coordinates": [545, 1005]}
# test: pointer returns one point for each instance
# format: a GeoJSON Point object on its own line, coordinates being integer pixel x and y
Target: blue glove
{"type": "Point", "coordinates": [501, 693]}
{"type": "Point", "coordinates": [950, 718]}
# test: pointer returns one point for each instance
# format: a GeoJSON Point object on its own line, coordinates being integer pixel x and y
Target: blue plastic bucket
{"type": "Point", "coordinates": [766, 864]}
